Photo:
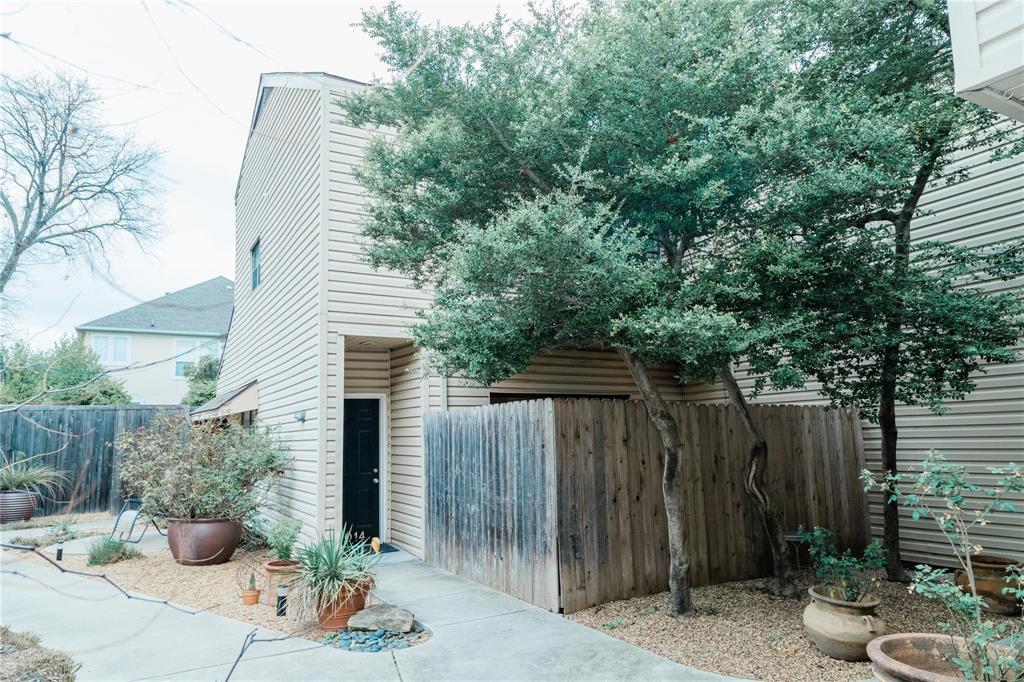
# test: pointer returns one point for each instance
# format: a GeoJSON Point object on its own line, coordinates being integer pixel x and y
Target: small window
{"type": "Point", "coordinates": [254, 254]}
{"type": "Point", "coordinates": [110, 349]}
{"type": "Point", "coordinates": [188, 351]}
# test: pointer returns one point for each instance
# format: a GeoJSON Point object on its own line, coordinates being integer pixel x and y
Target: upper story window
{"type": "Point", "coordinates": [110, 349]}
{"type": "Point", "coordinates": [254, 257]}
{"type": "Point", "coordinates": [188, 351]}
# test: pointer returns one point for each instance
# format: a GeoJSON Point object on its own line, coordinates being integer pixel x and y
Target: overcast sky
{"type": "Point", "coordinates": [200, 126]}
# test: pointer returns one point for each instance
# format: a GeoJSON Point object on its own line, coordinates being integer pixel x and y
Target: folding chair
{"type": "Point", "coordinates": [128, 518]}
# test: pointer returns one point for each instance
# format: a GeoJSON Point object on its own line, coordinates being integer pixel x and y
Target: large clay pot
{"type": "Point", "coordinates": [278, 572]}
{"type": "Point", "coordinates": [916, 657]}
{"type": "Point", "coordinates": [335, 617]}
{"type": "Point", "coordinates": [203, 542]}
{"type": "Point", "coordinates": [842, 629]}
{"type": "Point", "coordinates": [16, 505]}
{"type": "Point", "coordinates": [990, 579]}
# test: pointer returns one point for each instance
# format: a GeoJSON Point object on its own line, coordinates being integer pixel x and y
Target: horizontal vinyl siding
{"type": "Point", "coordinates": [405, 484]}
{"type": "Point", "coordinates": [569, 371]}
{"type": "Point", "coordinates": [986, 429]}
{"type": "Point", "coordinates": [274, 330]}
{"type": "Point", "coordinates": [360, 300]}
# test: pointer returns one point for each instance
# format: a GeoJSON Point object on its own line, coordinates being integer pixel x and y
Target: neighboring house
{"type": "Point", "coordinates": [988, 53]}
{"type": "Point", "coordinates": [320, 342]}
{"type": "Point", "coordinates": [152, 343]}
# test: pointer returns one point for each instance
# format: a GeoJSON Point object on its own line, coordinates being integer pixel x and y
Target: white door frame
{"type": "Point", "coordinates": [384, 457]}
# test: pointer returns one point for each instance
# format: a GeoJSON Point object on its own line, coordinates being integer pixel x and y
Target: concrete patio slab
{"type": "Point", "coordinates": [478, 634]}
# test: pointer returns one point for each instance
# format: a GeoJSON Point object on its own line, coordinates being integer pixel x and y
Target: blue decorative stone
{"type": "Point", "coordinates": [404, 644]}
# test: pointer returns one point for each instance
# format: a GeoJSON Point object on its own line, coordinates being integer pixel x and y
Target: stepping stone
{"type": "Point", "coordinates": [382, 617]}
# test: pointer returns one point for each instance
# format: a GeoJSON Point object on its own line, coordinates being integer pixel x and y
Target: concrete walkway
{"type": "Point", "coordinates": [478, 634]}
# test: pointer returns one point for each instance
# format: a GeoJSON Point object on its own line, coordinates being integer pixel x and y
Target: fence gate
{"type": "Point", "coordinates": [559, 503]}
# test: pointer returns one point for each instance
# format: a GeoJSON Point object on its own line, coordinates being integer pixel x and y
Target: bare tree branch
{"type": "Point", "coordinates": [68, 186]}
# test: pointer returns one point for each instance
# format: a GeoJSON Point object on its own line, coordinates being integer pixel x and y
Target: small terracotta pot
{"type": "Point", "coordinates": [842, 629]}
{"type": "Point", "coordinates": [203, 542]}
{"type": "Point", "coordinates": [990, 579]}
{"type": "Point", "coordinates": [16, 505]}
{"type": "Point", "coordinates": [278, 572]}
{"type": "Point", "coordinates": [336, 615]}
{"type": "Point", "coordinates": [250, 597]}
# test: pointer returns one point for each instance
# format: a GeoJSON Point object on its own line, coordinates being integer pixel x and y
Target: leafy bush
{"type": "Point", "coordinates": [26, 474]}
{"type": "Point", "coordinates": [283, 535]}
{"type": "Point", "coordinates": [107, 550]}
{"type": "Point", "coordinates": [68, 366]}
{"type": "Point", "coordinates": [329, 567]}
{"type": "Point", "coordinates": [202, 380]}
{"type": "Point", "coordinates": [848, 576]}
{"type": "Point", "coordinates": [206, 471]}
{"type": "Point", "coordinates": [991, 650]}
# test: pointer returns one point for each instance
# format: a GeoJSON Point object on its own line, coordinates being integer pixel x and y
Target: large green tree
{"type": "Point", "coordinates": [67, 374]}
{"type": "Point", "coordinates": [913, 324]}
{"type": "Point", "coordinates": [576, 180]}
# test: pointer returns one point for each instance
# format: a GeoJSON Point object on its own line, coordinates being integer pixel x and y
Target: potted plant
{"type": "Point", "coordinates": [990, 581]}
{"type": "Point", "coordinates": [841, 617]}
{"type": "Point", "coordinates": [21, 482]}
{"type": "Point", "coordinates": [281, 539]}
{"type": "Point", "coordinates": [334, 575]}
{"type": "Point", "coordinates": [251, 596]}
{"type": "Point", "coordinates": [205, 479]}
{"type": "Point", "coordinates": [969, 646]}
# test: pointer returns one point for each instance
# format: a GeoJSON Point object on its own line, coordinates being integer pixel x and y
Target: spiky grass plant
{"type": "Point", "coordinates": [331, 568]}
{"type": "Point", "coordinates": [29, 477]}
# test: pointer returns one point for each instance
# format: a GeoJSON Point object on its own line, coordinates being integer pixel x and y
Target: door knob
{"type": "Point", "coordinates": [376, 480]}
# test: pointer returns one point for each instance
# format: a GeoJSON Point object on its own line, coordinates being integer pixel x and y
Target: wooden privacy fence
{"type": "Point", "coordinates": [559, 502]}
{"type": "Point", "coordinates": [78, 440]}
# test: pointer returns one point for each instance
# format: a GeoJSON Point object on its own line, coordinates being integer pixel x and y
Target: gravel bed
{"type": "Point", "coordinates": [739, 629]}
{"type": "Point", "coordinates": [377, 640]}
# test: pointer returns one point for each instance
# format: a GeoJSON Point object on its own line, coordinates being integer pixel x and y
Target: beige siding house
{"type": "Point", "coordinates": [150, 344]}
{"type": "Point", "coordinates": [326, 338]}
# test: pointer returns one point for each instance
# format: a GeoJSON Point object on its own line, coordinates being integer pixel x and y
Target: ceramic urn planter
{"type": "Point", "coordinates": [990, 579]}
{"type": "Point", "coordinates": [203, 542]}
{"type": "Point", "coordinates": [842, 629]}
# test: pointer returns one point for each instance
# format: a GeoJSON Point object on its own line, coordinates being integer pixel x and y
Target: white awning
{"type": "Point", "coordinates": [242, 399]}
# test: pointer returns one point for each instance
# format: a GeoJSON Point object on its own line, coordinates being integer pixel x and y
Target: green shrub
{"type": "Point", "coordinates": [107, 550]}
{"type": "Point", "coordinates": [283, 535]}
{"type": "Point", "coordinates": [200, 471]}
{"type": "Point", "coordinates": [848, 576]}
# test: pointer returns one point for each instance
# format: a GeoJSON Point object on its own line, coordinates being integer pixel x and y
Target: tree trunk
{"type": "Point", "coordinates": [10, 266]}
{"type": "Point", "coordinates": [891, 511]}
{"type": "Point", "coordinates": [757, 462]}
{"type": "Point", "coordinates": [675, 503]}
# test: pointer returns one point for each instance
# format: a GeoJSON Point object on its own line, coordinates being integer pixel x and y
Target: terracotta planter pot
{"type": "Point", "coordinates": [277, 572]}
{"type": "Point", "coordinates": [16, 505]}
{"type": "Point", "coordinates": [250, 597]}
{"type": "Point", "coordinates": [913, 657]}
{"type": "Point", "coordinates": [990, 579]}
{"type": "Point", "coordinates": [842, 629]}
{"type": "Point", "coordinates": [203, 542]}
{"type": "Point", "coordinates": [335, 617]}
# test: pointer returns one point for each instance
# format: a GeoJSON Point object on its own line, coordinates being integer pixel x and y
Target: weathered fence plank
{"type": "Point", "coordinates": [559, 502]}
{"type": "Point", "coordinates": [78, 440]}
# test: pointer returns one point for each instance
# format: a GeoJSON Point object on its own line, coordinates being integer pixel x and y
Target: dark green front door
{"type": "Point", "coordinates": [361, 477]}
